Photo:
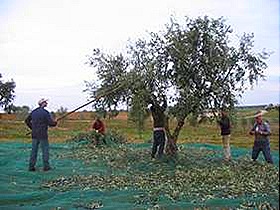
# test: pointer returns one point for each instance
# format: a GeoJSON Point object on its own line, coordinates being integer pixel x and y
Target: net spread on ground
{"type": "Point", "coordinates": [123, 176]}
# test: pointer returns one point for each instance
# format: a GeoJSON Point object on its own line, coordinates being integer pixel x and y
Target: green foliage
{"type": "Point", "coordinates": [22, 112]}
{"type": "Point", "coordinates": [192, 119]}
{"type": "Point", "coordinates": [113, 136]}
{"type": "Point", "coordinates": [113, 113]}
{"type": "Point", "coordinates": [94, 138]}
{"type": "Point", "coordinates": [209, 73]}
{"type": "Point", "coordinates": [61, 111]}
{"type": "Point", "coordinates": [196, 176]}
{"type": "Point", "coordinates": [111, 82]}
{"type": "Point", "coordinates": [101, 113]}
{"type": "Point", "coordinates": [138, 113]}
{"type": "Point", "coordinates": [193, 60]}
{"type": "Point", "coordinates": [244, 124]}
{"type": "Point", "coordinates": [7, 90]}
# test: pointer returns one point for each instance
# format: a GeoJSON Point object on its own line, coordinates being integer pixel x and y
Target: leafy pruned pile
{"type": "Point", "coordinates": [196, 176]}
{"type": "Point", "coordinates": [95, 138]}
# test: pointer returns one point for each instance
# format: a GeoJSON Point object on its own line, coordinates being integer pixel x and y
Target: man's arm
{"type": "Point", "coordinates": [252, 131]}
{"type": "Point", "coordinates": [266, 131]}
{"type": "Point", "coordinates": [51, 122]}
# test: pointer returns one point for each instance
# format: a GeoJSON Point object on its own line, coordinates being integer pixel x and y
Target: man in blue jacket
{"type": "Point", "coordinates": [38, 121]}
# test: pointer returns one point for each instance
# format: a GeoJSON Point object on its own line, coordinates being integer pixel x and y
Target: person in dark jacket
{"type": "Point", "coordinates": [225, 126]}
{"type": "Point", "coordinates": [38, 121]}
{"type": "Point", "coordinates": [261, 130]}
{"type": "Point", "coordinates": [159, 128]}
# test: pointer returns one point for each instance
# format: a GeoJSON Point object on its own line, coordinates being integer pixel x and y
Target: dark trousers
{"type": "Point", "coordinates": [158, 144]}
{"type": "Point", "coordinates": [34, 152]}
{"type": "Point", "coordinates": [265, 148]}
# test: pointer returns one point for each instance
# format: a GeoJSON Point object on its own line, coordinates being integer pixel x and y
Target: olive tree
{"type": "Point", "coordinates": [192, 66]}
{"type": "Point", "coordinates": [208, 71]}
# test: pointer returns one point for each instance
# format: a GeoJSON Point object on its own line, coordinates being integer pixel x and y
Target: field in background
{"type": "Point", "coordinates": [206, 132]}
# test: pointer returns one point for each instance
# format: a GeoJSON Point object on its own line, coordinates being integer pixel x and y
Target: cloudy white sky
{"type": "Point", "coordinates": [44, 43]}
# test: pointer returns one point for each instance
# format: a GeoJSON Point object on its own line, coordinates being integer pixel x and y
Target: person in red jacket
{"type": "Point", "coordinates": [99, 126]}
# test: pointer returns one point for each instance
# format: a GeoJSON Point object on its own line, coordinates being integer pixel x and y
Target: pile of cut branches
{"type": "Point", "coordinates": [196, 175]}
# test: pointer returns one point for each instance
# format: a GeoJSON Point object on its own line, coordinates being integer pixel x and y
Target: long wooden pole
{"type": "Point", "coordinates": [96, 98]}
{"type": "Point", "coordinates": [68, 113]}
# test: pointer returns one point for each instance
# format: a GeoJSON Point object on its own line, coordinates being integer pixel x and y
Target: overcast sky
{"type": "Point", "coordinates": [44, 43]}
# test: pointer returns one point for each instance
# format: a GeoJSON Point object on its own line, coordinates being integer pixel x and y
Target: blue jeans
{"type": "Point", "coordinates": [34, 152]}
{"type": "Point", "coordinates": [159, 142]}
{"type": "Point", "coordinates": [265, 148]}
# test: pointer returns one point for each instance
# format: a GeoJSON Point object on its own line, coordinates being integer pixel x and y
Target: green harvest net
{"type": "Point", "coordinates": [122, 176]}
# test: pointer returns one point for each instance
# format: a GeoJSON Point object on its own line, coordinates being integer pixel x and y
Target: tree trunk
{"type": "Point", "coordinates": [171, 146]}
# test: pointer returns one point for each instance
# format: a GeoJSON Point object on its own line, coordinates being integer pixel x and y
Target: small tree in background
{"type": "Point", "coordinates": [138, 114]}
{"type": "Point", "coordinates": [21, 112]}
{"type": "Point", "coordinates": [7, 90]}
{"type": "Point", "coordinates": [59, 113]}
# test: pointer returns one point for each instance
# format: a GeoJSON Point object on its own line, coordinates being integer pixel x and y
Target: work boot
{"type": "Point", "coordinates": [31, 169]}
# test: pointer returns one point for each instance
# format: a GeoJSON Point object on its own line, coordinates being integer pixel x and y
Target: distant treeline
{"type": "Point", "coordinates": [22, 112]}
{"type": "Point", "coordinates": [264, 106]}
